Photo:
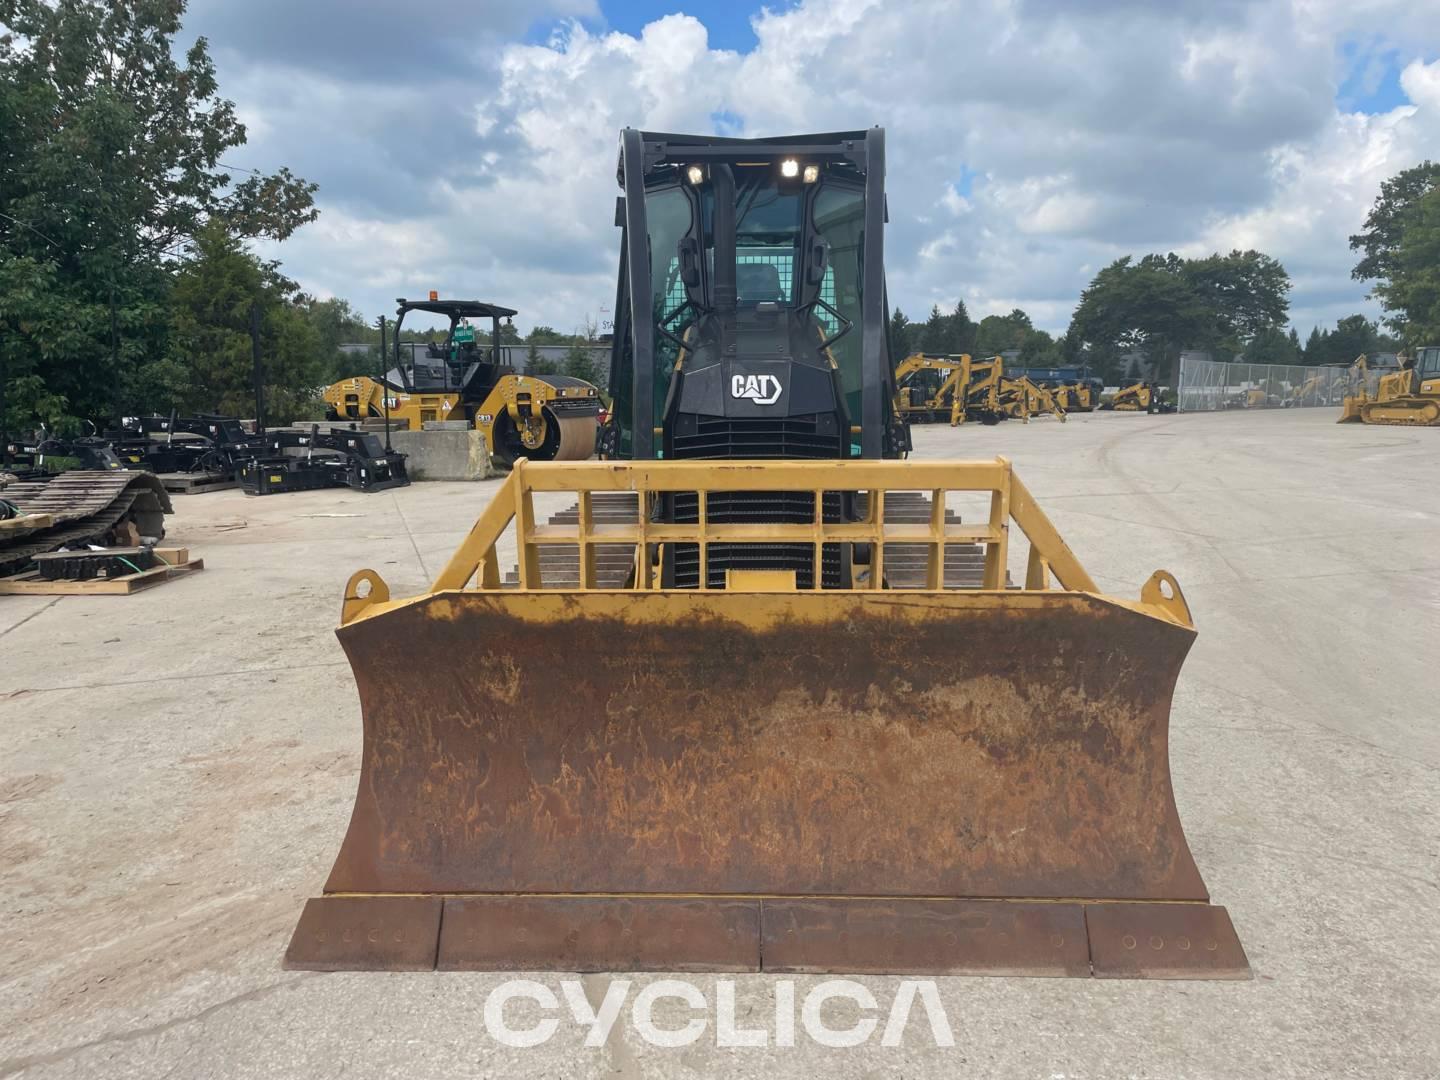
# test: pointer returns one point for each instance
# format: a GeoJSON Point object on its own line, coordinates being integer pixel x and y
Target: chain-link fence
{"type": "Point", "coordinates": [1211, 385]}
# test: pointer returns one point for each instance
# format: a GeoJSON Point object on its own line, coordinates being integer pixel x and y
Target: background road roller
{"type": "Point", "coordinates": [779, 746]}
{"type": "Point", "coordinates": [542, 417]}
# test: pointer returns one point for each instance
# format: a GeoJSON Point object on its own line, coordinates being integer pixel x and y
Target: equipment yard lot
{"type": "Point", "coordinates": [180, 764]}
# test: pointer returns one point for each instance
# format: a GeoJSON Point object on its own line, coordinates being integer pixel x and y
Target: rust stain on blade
{"type": "Point", "coordinates": [831, 744]}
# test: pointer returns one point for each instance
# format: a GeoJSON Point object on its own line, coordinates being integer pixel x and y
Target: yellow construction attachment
{"type": "Point", "coordinates": [760, 776]}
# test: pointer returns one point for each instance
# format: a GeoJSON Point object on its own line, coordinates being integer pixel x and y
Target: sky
{"type": "Point", "coordinates": [470, 147]}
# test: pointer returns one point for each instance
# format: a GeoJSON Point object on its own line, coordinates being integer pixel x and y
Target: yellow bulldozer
{"type": "Point", "coordinates": [1409, 396]}
{"type": "Point", "coordinates": [778, 746]}
{"type": "Point", "coordinates": [541, 417]}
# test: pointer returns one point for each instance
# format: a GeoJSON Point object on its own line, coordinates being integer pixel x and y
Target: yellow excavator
{"type": "Point", "coordinates": [983, 387]}
{"type": "Point", "coordinates": [1409, 396]}
{"type": "Point", "coordinates": [930, 387]}
{"type": "Point", "coordinates": [541, 417]}
{"type": "Point", "coordinates": [777, 745]}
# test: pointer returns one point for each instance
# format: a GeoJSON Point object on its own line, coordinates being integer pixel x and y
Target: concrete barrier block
{"type": "Point", "coordinates": [444, 455]}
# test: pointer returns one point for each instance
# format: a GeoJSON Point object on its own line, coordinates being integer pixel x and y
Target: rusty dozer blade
{"type": "Point", "coordinates": [961, 781]}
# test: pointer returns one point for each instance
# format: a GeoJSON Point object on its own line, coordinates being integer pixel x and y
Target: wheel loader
{"type": "Point", "coordinates": [1409, 396]}
{"type": "Point", "coordinates": [541, 417]}
{"type": "Point", "coordinates": [764, 754]}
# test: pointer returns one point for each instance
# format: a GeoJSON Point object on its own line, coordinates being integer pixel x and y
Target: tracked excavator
{"type": "Point", "coordinates": [1408, 397]}
{"type": "Point", "coordinates": [539, 417]}
{"type": "Point", "coordinates": [769, 751]}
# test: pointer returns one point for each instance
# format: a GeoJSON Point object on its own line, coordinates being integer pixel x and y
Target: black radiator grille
{"type": "Point", "coordinates": [729, 556]}
{"type": "Point", "coordinates": [759, 437]}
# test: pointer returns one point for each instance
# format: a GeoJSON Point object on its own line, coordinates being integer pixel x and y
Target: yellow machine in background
{"type": "Point", "coordinates": [960, 388]}
{"type": "Point", "coordinates": [1143, 396]}
{"type": "Point", "coordinates": [1408, 397]}
{"type": "Point", "coordinates": [1077, 397]}
{"type": "Point", "coordinates": [1023, 398]}
{"type": "Point", "coordinates": [930, 387]}
{"type": "Point", "coordinates": [1320, 388]}
{"type": "Point", "coordinates": [541, 417]}
{"type": "Point", "coordinates": [982, 391]}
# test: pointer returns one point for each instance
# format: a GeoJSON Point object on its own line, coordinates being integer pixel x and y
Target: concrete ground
{"type": "Point", "coordinates": [178, 767]}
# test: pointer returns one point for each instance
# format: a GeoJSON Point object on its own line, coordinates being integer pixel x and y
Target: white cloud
{"type": "Point", "coordinates": [1114, 128]}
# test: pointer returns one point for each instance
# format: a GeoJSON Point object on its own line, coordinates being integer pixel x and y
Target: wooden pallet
{"type": "Point", "coordinates": [27, 523]}
{"type": "Point", "coordinates": [176, 562]}
{"type": "Point", "coordinates": [197, 483]}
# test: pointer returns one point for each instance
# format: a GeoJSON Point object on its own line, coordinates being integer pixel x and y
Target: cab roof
{"type": "Point", "coordinates": [457, 309]}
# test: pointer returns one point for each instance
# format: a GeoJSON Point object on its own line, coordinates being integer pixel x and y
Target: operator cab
{"type": "Point", "coordinates": [458, 362]}
{"type": "Point", "coordinates": [751, 318]}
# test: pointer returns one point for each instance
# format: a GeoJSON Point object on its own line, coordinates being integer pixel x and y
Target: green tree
{"type": "Point", "coordinates": [1386, 223]}
{"type": "Point", "coordinates": [1353, 335]}
{"type": "Point", "coordinates": [1146, 306]}
{"type": "Point", "coordinates": [999, 333]}
{"type": "Point", "coordinates": [508, 334]}
{"type": "Point", "coordinates": [111, 139]}
{"type": "Point", "coordinates": [336, 323]}
{"type": "Point", "coordinates": [1164, 304]}
{"type": "Point", "coordinates": [536, 364]}
{"type": "Point", "coordinates": [934, 334]}
{"type": "Point", "coordinates": [1271, 346]}
{"type": "Point", "coordinates": [548, 335]}
{"type": "Point", "coordinates": [901, 331]}
{"type": "Point", "coordinates": [208, 366]}
{"type": "Point", "coordinates": [1039, 349]}
{"type": "Point", "coordinates": [1411, 291]}
{"type": "Point", "coordinates": [1245, 293]}
{"type": "Point", "coordinates": [580, 364]}
{"type": "Point", "coordinates": [961, 330]}
{"type": "Point", "coordinates": [946, 334]}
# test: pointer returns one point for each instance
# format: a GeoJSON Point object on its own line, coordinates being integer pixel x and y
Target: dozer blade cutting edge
{"type": "Point", "coordinates": [762, 778]}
